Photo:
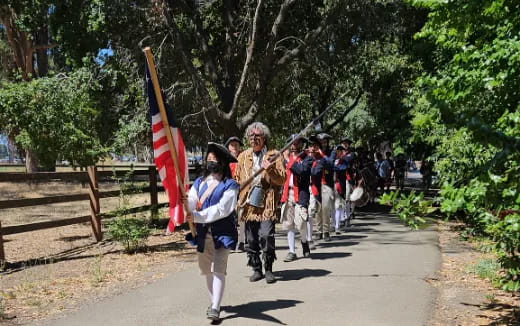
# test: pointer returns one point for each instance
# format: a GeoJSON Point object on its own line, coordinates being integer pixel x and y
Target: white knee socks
{"type": "Point", "coordinates": [219, 282]}
{"type": "Point", "coordinates": [290, 240]}
{"type": "Point", "coordinates": [337, 219]}
{"type": "Point", "coordinates": [309, 229]}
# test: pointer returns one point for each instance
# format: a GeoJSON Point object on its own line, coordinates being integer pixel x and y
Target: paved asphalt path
{"type": "Point", "coordinates": [372, 275]}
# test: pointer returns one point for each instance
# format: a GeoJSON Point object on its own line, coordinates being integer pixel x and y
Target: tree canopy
{"type": "Point", "coordinates": [222, 64]}
{"type": "Point", "coordinates": [465, 107]}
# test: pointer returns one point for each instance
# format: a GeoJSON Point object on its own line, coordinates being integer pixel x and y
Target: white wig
{"type": "Point", "coordinates": [266, 133]}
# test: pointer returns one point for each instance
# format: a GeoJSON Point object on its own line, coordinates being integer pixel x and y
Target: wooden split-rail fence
{"type": "Point", "coordinates": [93, 175]}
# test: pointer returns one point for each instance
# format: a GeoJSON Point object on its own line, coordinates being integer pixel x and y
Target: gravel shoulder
{"type": "Point", "coordinates": [463, 297]}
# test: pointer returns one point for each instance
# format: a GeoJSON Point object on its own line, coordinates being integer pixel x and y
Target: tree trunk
{"type": "Point", "coordinates": [230, 129]}
{"type": "Point", "coordinates": [31, 161]}
{"type": "Point", "coordinates": [11, 150]}
{"type": "Point", "coordinates": [42, 58]}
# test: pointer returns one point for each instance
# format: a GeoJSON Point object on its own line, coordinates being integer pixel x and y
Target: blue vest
{"type": "Point", "coordinates": [223, 231]}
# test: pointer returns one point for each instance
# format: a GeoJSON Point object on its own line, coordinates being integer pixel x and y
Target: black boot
{"type": "Point", "coordinates": [306, 249]}
{"type": "Point", "coordinates": [255, 262]}
{"type": "Point", "coordinates": [326, 236]}
{"type": "Point", "coordinates": [269, 276]}
{"type": "Point", "coordinates": [257, 276]}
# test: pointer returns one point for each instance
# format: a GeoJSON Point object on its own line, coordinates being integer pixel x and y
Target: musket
{"type": "Point", "coordinates": [301, 133]}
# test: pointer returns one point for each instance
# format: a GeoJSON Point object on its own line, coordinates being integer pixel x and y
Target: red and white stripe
{"type": "Point", "coordinates": [164, 164]}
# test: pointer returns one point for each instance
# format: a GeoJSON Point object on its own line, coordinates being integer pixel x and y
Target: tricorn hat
{"type": "Point", "coordinates": [221, 151]}
{"type": "Point", "coordinates": [233, 138]}
{"type": "Point", "coordinates": [324, 135]}
{"type": "Point", "coordinates": [313, 139]}
{"type": "Point", "coordinates": [295, 136]}
{"type": "Point", "coordinates": [340, 147]}
{"type": "Point", "coordinates": [346, 140]}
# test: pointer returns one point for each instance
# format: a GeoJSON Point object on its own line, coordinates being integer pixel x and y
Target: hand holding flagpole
{"type": "Point", "coordinates": [171, 146]}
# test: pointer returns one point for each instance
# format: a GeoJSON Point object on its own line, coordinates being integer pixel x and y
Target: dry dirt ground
{"type": "Point", "coordinates": [464, 299]}
{"type": "Point", "coordinates": [50, 271]}
{"type": "Point", "coordinates": [64, 278]}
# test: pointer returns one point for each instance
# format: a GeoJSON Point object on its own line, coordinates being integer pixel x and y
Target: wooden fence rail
{"type": "Point", "coordinates": [92, 176]}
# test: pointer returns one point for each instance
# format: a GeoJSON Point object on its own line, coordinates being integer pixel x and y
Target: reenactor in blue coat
{"type": "Point", "coordinates": [212, 200]}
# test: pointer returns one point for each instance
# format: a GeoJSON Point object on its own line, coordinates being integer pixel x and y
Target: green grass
{"type": "Point", "coordinates": [486, 269]}
{"type": "Point", "coordinates": [12, 169]}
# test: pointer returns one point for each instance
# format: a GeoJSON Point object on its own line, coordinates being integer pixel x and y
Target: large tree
{"type": "Point", "coordinates": [471, 81]}
{"type": "Point", "coordinates": [368, 55]}
{"type": "Point", "coordinates": [55, 117]}
{"type": "Point", "coordinates": [225, 63]}
{"type": "Point", "coordinates": [233, 52]}
{"type": "Point", "coordinates": [39, 39]}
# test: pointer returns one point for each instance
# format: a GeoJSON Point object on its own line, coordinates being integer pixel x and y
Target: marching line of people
{"type": "Point", "coordinates": [304, 189]}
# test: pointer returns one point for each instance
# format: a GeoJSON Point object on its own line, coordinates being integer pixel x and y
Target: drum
{"type": "Point", "coordinates": [359, 196]}
{"type": "Point", "coordinates": [356, 194]}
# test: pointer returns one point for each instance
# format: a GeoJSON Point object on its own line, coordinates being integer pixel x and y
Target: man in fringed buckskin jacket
{"type": "Point", "coordinates": [259, 199]}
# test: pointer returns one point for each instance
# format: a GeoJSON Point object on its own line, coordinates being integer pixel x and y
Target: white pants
{"type": "Point", "coordinates": [294, 217]}
{"type": "Point", "coordinates": [327, 207]}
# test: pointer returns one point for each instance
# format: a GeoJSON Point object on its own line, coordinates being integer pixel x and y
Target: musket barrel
{"type": "Point", "coordinates": [301, 133]}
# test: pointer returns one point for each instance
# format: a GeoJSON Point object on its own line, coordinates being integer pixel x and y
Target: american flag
{"type": "Point", "coordinates": [163, 159]}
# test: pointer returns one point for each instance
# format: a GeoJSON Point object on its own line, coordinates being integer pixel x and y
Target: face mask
{"type": "Point", "coordinates": [214, 167]}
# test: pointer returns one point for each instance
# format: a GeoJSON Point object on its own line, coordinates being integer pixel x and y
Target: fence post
{"type": "Point", "coordinates": [94, 202]}
{"type": "Point", "coordinates": [2, 253]}
{"type": "Point", "coordinates": [154, 201]}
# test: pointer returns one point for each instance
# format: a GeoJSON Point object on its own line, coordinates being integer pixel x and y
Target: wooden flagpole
{"type": "Point", "coordinates": [166, 126]}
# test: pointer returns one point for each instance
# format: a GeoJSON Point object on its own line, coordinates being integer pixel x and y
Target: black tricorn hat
{"type": "Point", "coordinates": [340, 147]}
{"type": "Point", "coordinates": [346, 140]}
{"type": "Point", "coordinates": [233, 138]}
{"type": "Point", "coordinates": [324, 135]}
{"type": "Point", "coordinates": [313, 139]}
{"type": "Point", "coordinates": [302, 138]}
{"type": "Point", "coordinates": [221, 151]}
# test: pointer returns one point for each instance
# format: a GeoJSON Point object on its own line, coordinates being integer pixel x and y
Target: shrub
{"type": "Point", "coordinates": [486, 268]}
{"type": "Point", "coordinates": [130, 232]}
{"type": "Point", "coordinates": [411, 209]}
{"type": "Point", "coordinates": [506, 234]}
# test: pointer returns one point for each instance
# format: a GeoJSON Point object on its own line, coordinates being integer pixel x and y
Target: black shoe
{"type": "Point", "coordinates": [291, 256]}
{"type": "Point", "coordinates": [318, 236]}
{"type": "Point", "coordinates": [306, 249]}
{"type": "Point", "coordinates": [338, 232]}
{"type": "Point", "coordinates": [257, 276]}
{"type": "Point", "coordinates": [326, 237]}
{"type": "Point", "coordinates": [213, 314]}
{"type": "Point", "coordinates": [269, 277]}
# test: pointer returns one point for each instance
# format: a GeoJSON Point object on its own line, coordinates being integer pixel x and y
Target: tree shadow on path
{"type": "Point", "coordinates": [508, 314]}
{"type": "Point", "coordinates": [298, 274]}
{"type": "Point", "coordinates": [354, 224]}
{"type": "Point", "coordinates": [106, 246]}
{"type": "Point", "coordinates": [329, 255]}
{"type": "Point", "coordinates": [336, 244]}
{"type": "Point", "coordinates": [257, 310]}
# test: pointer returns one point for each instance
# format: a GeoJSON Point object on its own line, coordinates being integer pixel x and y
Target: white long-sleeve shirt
{"type": "Point", "coordinates": [222, 209]}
